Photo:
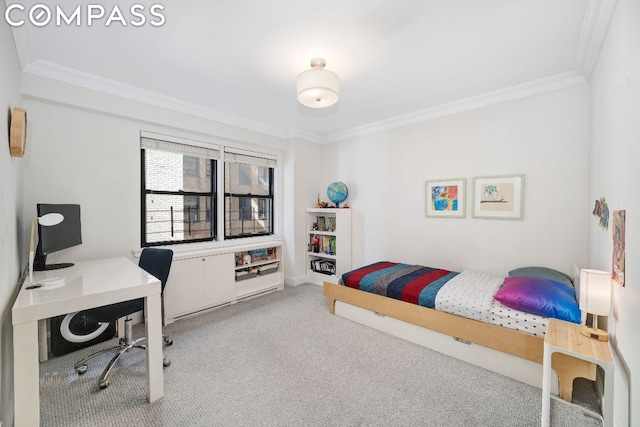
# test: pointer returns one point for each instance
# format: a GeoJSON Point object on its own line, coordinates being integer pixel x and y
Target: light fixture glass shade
{"type": "Point", "coordinates": [318, 88]}
{"type": "Point", "coordinates": [595, 292]}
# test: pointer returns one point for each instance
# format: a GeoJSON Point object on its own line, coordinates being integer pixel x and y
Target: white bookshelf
{"type": "Point", "coordinates": [331, 257]}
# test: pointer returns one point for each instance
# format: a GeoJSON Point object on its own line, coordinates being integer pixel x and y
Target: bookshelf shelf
{"type": "Point", "coordinates": [329, 244]}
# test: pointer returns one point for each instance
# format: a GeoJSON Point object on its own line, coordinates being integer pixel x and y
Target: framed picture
{"type": "Point", "coordinates": [618, 246]}
{"type": "Point", "coordinates": [499, 197]}
{"type": "Point", "coordinates": [446, 198]}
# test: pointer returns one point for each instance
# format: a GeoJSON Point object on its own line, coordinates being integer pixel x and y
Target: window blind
{"type": "Point", "coordinates": [179, 148]}
{"type": "Point", "coordinates": [249, 158]}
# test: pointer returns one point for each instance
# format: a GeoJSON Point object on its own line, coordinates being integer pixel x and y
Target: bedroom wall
{"type": "Point", "coordinates": [85, 149]}
{"type": "Point", "coordinates": [615, 150]}
{"type": "Point", "coordinates": [545, 137]}
{"type": "Point", "coordinates": [308, 173]}
{"type": "Point", "coordinates": [10, 216]}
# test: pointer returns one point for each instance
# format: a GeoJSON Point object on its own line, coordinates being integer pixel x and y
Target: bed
{"type": "Point", "coordinates": [474, 308]}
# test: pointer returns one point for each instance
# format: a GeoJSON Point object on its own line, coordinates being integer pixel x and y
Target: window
{"type": "Point", "coordinates": [178, 192]}
{"type": "Point", "coordinates": [248, 194]}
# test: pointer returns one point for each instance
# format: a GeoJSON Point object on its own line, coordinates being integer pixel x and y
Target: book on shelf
{"type": "Point", "coordinates": [331, 223]}
{"type": "Point", "coordinates": [323, 266]}
{"type": "Point", "coordinates": [322, 244]}
{"type": "Point", "coordinates": [314, 243]}
{"type": "Point", "coordinates": [256, 255]}
{"type": "Point", "coordinates": [325, 223]}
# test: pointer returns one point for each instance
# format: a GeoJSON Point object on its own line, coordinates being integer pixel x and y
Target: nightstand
{"type": "Point", "coordinates": [565, 337]}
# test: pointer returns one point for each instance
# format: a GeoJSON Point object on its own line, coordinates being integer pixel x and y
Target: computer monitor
{"type": "Point", "coordinates": [57, 237]}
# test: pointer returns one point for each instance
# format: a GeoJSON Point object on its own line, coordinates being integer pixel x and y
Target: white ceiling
{"type": "Point", "coordinates": [399, 61]}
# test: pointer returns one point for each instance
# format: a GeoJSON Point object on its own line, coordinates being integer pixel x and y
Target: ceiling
{"type": "Point", "coordinates": [399, 61]}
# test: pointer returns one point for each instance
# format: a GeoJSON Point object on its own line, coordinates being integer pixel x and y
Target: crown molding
{"type": "Point", "coordinates": [72, 76]}
{"type": "Point", "coordinates": [51, 70]}
{"type": "Point", "coordinates": [511, 93]}
{"type": "Point", "coordinates": [594, 29]}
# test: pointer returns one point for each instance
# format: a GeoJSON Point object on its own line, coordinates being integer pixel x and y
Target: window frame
{"type": "Point", "coordinates": [213, 194]}
{"type": "Point", "coordinates": [270, 196]}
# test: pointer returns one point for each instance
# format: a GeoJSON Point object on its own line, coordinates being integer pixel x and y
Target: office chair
{"type": "Point", "coordinates": [155, 261]}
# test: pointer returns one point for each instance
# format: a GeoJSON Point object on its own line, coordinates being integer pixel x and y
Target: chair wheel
{"type": "Point", "coordinates": [82, 369]}
{"type": "Point", "coordinates": [166, 362]}
{"type": "Point", "coordinates": [104, 384]}
{"type": "Point", "coordinates": [168, 341]}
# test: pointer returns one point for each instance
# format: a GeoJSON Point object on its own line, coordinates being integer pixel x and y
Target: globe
{"type": "Point", "coordinates": [337, 192]}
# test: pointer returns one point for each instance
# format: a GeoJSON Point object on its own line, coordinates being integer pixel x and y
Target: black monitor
{"type": "Point", "coordinates": [57, 237]}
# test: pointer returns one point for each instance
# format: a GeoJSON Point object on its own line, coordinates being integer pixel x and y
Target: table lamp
{"type": "Point", "coordinates": [46, 220]}
{"type": "Point", "coordinates": [595, 298]}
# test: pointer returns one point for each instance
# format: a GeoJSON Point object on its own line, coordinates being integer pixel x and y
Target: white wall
{"type": "Point", "coordinates": [11, 252]}
{"type": "Point", "coordinates": [615, 152]}
{"type": "Point", "coordinates": [310, 177]}
{"type": "Point", "coordinates": [86, 149]}
{"type": "Point", "coordinates": [545, 137]}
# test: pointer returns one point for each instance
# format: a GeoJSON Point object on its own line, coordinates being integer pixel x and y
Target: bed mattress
{"type": "Point", "coordinates": [468, 293]}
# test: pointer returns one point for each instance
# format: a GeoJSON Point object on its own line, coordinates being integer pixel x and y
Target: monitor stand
{"type": "Point", "coordinates": [40, 264]}
{"type": "Point", "coordinates": [48, 267]}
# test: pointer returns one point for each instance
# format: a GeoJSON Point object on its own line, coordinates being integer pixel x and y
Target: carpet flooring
{"type": "Point", "coordinates": [283, 360]}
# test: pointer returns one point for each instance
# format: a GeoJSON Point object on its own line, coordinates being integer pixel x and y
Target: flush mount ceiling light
{"type": "Point", "coordinates": [318, 88]}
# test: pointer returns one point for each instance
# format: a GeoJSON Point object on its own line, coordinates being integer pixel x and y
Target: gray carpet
{"type": "Point", "coordinates": [283, 360]}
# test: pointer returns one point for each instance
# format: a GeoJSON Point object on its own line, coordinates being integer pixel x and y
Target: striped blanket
{"type": "Point", "coordinates": [410, 283]}
{"type": "Point", "coordinates": [468, 293]}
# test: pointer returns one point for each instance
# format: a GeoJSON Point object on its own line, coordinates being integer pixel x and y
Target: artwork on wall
{"type": "Point", "coordinates": [601, 210]}
{"type": "Point", "coordinates": [498, 196]}
{"type": "Point", "coordinates": [446, 198]}
{"type": "Point", "coordinates": [617, 269]}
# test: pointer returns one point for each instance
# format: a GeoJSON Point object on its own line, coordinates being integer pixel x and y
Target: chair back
{"type": "Point", "coordinates": [157, 262]}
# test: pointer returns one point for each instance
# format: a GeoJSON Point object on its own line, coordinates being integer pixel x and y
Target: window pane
{"type": "Point", "coordinates": [246, 179]}
{"type": "Point", "coordinates": [247, 216]}
{"type": "Point", "coordinates": [244, 176]}
{"type": "Point", "coordinates": [190, 165]}
{"type": "Point", "coordinates": [166, 171]}
{"type": "Point", "coordinates": [174, 218]}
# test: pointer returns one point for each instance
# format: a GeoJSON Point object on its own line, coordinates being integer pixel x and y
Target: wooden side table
{"type": "Point", "coordinates": [565, 337]}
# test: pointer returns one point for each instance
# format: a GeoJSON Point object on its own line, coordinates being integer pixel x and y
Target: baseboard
{"type": "Point", "coordinates": [295, 281]}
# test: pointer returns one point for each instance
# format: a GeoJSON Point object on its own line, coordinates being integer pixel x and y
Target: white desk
{"type": "Point", "coordinates": [88, 284]}
{"type": "Point", "coordinates": [565, 337]}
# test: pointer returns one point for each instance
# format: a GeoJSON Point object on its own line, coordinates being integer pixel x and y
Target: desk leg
{"type": "Point", "coordinates": [153, 324]}
{"type": "Point", "coordinates": [26, 374]}
{"type": "Point", "coordinates": [546, 386]}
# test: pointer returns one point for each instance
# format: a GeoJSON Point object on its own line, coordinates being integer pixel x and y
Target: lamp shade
{"type": "Point", "coordinates": [595, 292]}
{"type": "Point", "coordinates": [318, 88]}
{"type": "Point", "coordinates": [47, 220]}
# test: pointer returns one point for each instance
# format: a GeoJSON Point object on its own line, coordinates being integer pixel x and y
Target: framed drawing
{"type": "Point", "coordinates": [446, 198]}
{"type": "Point", "coordinates": [618, 246]}
{"type": "Point", "coordinates": [499, 197]}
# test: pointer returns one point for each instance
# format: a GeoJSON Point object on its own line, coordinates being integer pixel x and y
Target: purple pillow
{"type": "Point", "coordinates": [541, 296]}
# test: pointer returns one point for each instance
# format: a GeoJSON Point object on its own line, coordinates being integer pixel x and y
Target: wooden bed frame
{"type": "Point", "coordinates": [505, 340]}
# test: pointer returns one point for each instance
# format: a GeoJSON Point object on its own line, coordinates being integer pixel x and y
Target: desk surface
{"type": "Point", "coordinates": [87, 284]}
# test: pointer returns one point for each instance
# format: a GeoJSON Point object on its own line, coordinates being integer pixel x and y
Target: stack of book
{"type": "Point", "coordinates": [323, 266]}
